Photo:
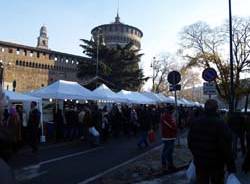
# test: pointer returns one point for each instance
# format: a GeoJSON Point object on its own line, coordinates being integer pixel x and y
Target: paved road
{"type": "Point", "coordinates": [73, 163]}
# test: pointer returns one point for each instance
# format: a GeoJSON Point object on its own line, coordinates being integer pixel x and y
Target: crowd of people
{"type": "Point", "coordinates": [213, 136]}
{"type": "Point", "coordinates": [74, 122]}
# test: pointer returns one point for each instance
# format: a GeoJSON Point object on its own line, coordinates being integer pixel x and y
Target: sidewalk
{"type": "Point", "coordinates": [147, 167]}
{"type": "Point", "coordinates": [180, 177]}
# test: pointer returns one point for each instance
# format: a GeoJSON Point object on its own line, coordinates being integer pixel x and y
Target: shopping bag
{"type": "Point", "coordinates": [151, 136]}
{"type": "Point", "coordinates": [190, 173]}
{"type": "Point", "coordinates": [232, 179]}
{"type": "Point", "coordinates": [93, 131]}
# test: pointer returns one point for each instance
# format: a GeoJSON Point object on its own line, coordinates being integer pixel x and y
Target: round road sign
{"type": "Point", "coordinates": [174, 77]}
{"type": "Point", "coordinates": [209, 74]}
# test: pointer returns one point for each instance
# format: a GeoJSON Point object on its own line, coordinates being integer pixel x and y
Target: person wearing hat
{"type": "Point", "coordinates": [169, 134]}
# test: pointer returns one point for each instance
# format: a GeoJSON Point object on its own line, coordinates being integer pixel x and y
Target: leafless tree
{"type": "Point", "coordinates": [203, 46]}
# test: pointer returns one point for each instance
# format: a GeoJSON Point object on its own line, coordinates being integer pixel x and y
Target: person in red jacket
{"type": "Point", "coordinates": [169, 133]}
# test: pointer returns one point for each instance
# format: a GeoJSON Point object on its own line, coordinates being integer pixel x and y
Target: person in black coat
{"type": "Point", "coordinates": [209, 140]}
{"type": "Point", "coordinates": [33, 127]}
{"type": "Point", "coordinates": [236, 124]}
{"type": "Point", "coordinates": [58, 119]}
{"type": "Point", "coordinates": [145, 125]}
{"type": "Point", "coordinates": [246, 163]}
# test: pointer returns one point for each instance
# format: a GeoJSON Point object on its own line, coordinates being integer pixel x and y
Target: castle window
{"type": "Point", "coordinates": [26, 64]}
{"type": "Point", "coordinates": [44, 54]}
{"type": "Point", "coordinates": [17, 62]}
{"type": "Point", "coordinates": [33, 65]}
{"type": "Point", "coordinates": [31, 53]}
{"type": "Point", "coordinates": [42, 66]}
{"type": "Point", "coordinates": [17, 51]}
{"type": "Point", "coordinates": [55, 58]}
{"type": "Point", "coordinates": [30, 64]}
{"type": "Point", "coordinates": [10, 50]}
{"type": "Point", "coordinates": [73, 62]}
{"type": "Point", "coordinates": [51, 57]}
{"type": "Point", "coordinates": [39, 65]}
{"type": "Point", "coordinates": [2, 49]}
{"type": "Point", "coordinates": [67, 60]}
{"type": "Point", "coordinates": [25, 52]}
{"type": "Point", "coordinates": [38, 54]}
{"type": "Point", "coordinates": [36, 65]}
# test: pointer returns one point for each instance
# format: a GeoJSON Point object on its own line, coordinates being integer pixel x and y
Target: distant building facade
{"type": "Point", "coordinates": [34, 67]}
{"type": "Point", "coordinates": [118, 33]}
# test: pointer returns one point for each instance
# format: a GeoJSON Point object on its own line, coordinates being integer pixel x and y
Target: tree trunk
{"type": "Point", "coordinates": [236, 101]}
{"type": "Point", "coordinates": [246, 103]}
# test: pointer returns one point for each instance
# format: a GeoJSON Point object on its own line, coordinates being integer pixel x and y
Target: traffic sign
{"type": "Point", "coordinates": [174, 77]}
{"type": "Point", "coordinates": [209, 88]}
{"type": "Point", "coordinates": [209, 74]}
{"type": "Point", "coordinates": [175, 87]}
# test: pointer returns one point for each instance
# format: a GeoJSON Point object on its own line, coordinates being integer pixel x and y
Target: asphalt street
{"type": "Point", "coordinates": [73, 162]}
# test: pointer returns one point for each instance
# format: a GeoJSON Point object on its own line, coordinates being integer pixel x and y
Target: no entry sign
{"type": "Point", "coordinates": [209, 74]}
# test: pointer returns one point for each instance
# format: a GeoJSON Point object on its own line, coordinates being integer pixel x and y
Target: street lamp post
{"type": "Point", "coordinates": [231, 96]}
{"type": "Point", "coordinates": [97, 50]}
{"type": "Point", "coordinates": [153, 78]}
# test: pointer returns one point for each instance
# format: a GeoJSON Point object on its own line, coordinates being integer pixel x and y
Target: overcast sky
{"type": "Point", "coordinates": [70, 20]}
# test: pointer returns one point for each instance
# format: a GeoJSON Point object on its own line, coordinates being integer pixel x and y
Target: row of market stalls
{"type": "Point", "coordinates": [61, 91]}
{"type": "Point", "coordinates": [66, 90]}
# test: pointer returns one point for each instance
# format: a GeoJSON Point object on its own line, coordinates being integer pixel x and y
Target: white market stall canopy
{"type": "Point", "coordinates": [106, 94]}
{"type": "Point", "coordinates": [153, 96]}
{"type": "Point", "coordinates": [187, 103]}
{"type": "Point", "coordinates": [135, 97]}
{"type": "Point", "coordinates": [18, 97]}
{"type": "Point", "coordinates": [64, 90]}
{"type": "Point", "coordinates": [165, 99]}
{"type": "Point", "coordinates": [179, 102]}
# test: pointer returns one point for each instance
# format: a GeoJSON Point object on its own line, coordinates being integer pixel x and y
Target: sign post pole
{"type": "Point", "coordinates": [177, 117]}
{"type": "Point", "coordinates": [209, 96]}
{"type": "Point", "coordinates": [174, 78]}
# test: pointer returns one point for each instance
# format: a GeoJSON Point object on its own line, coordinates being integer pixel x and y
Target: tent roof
{"type": "Point", "coordinates": [153, 96]}
{"type": "Point", "coordinates": [135, 97]}
{"type": "Point", "coordinates": [166, 99]}
{"type": "Point", "coordinates": [187, 102]}
{"type": "Point", "coordinates": [18, 97]}
{"type": "Point", "coordinates": [64, 90]}
{"type": "Point", "coordinates": [104, 93]}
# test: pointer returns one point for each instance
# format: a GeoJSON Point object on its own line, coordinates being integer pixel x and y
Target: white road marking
{"type": "Point", "coordinates": [118, 166]}
{"type": "Point", "coordinates": [32, 171]}
{"type": "Point", "coordinates": [68, 156]}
